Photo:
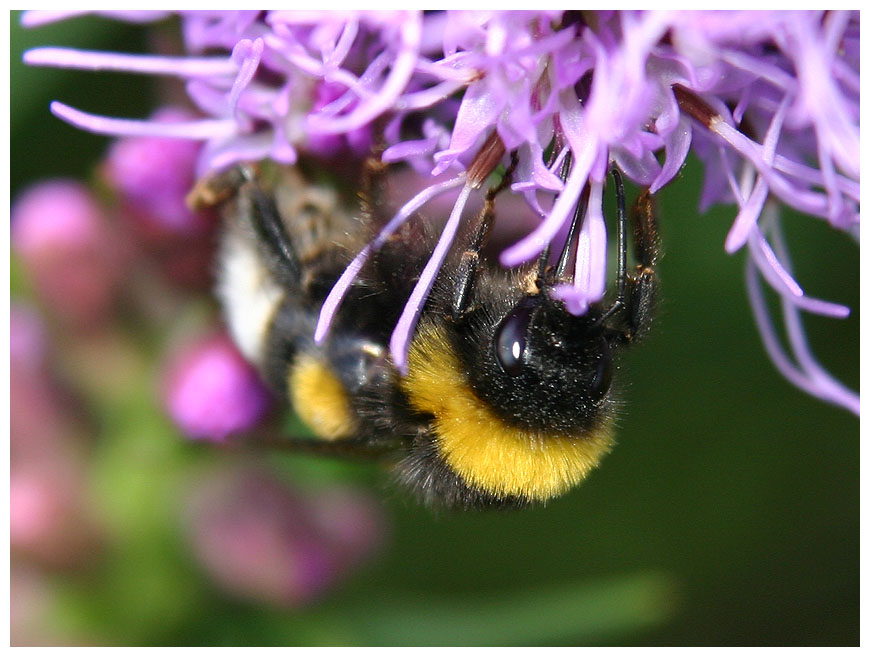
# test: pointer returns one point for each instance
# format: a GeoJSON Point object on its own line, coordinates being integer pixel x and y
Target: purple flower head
{"type": "Point", "coordinates": [768, 100]}
{"type": "Point", "coordinates": [213, 393]}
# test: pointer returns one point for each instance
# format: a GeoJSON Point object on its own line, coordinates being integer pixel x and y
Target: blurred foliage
{"type": "Point", "coordinates": [727, 514]}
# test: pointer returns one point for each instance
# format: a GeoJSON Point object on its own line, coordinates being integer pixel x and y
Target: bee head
{"type": "Point", "coordinates": [517, 389]}
{"type": "Point", "coordinates": [538, 366]}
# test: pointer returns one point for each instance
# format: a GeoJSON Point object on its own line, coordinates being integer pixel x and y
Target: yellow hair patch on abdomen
{"type": "Point", "coordinates": [320, 399]}
{"type": "Point", "coordinates": [482, 449]}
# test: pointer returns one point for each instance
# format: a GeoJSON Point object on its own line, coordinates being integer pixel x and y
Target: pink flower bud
{"type": "Point", "coordinates": [42, 420]}
{"type": "Point", "coordinates": [57, 215]}
{"type": "Point", "coordinates": [64, 243]}
{"type": "Point", "coordinates": [352, 522]}
{"type": "Point", "coordinates": [27, 339]}
{"type": "Point", "coordinates": [49, 520]}
{"type": "Point", "coordinates": [263, 541]}
{"type": "Point", "coordinates": [213, 392]}
{"type": "Point", "coordinates": [153, 176]}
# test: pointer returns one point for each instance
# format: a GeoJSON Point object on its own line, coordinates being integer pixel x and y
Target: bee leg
{"type": "Point", "coordinates": [254, 202]}
{"type": "Point", "coordinates": [635, 292]}
{"type": "Point", "coordinates": [643, 283]}
{"type": "Point", "coordinates": [215, 189]}
{"type": "Point", "coordinates": [647, 245]}
{"type": "Point", "coordinates": [469, 263]}
{"type": "Point", "coordinates": [372, 186]}
{"type": "Point", "coordinates": [351, 448]}
{"type": "Point", "coordinates": [470, 260]}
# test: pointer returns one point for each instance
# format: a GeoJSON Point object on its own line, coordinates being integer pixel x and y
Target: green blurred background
{"type": "Point", "coordinates": [727, 514]}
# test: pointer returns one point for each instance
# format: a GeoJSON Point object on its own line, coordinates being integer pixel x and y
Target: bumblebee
{"type": "Point", "coordinates": [506, 400]}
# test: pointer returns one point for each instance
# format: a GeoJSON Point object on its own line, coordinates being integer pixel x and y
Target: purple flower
{"type": "Point", "coordinates": [768, 100]}
{"type": "Point", "coordinates": [212, 392]}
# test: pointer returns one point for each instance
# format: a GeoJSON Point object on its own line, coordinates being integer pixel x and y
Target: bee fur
{"type": "Point", "coordinates": [507, 400]}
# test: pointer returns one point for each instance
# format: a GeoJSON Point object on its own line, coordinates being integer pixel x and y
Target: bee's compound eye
{"type": "Point", "coordinates": [510, 339]}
